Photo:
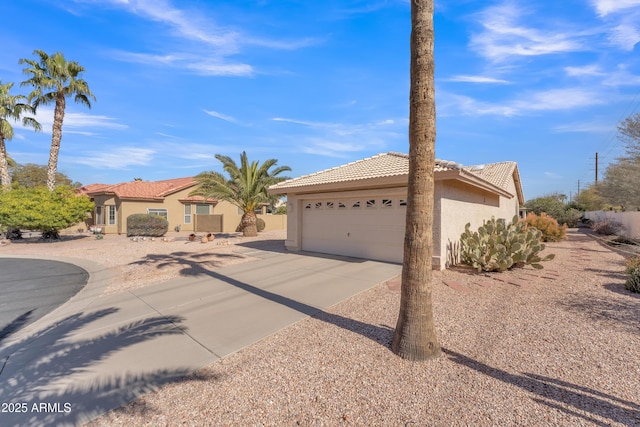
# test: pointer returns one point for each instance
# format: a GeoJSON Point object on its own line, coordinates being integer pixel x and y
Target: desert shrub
{"type": "Point", "coordinates": [260, 224]}
{"type": "Point", "coordinates": [632, 268]}
{"type": "Point", "coordinates": [548, 226]}
{"type": "Point", "coordinates": [571, 217]}
{"type": "Point", "coordinates": [146, 225]}
{"type": "Point", "coordinates": [497, 246]}
{"type": "Point", "coordinates": [39, 209]}
{"type": "Point", "coordinates": [607, 227]}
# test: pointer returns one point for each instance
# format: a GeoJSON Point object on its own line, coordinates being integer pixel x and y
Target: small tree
{"type": "Point", "coordinates": [32, 175]}
{"type": "Point", "coordinates": [246, 187]}
{"type": "Point", "coordinates": [43, 210]}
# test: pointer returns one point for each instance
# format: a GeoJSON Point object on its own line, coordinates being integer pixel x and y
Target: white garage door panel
{"type": "Point", "coordinates": [366, 232]}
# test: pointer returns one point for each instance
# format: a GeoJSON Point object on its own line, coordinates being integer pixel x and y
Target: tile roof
{"type": "Point", "coordinates": [378, 166]}
{"type": "Point", "coordinates": [497, 174]}
{"type": "Point", "coordinates": [142, 189]}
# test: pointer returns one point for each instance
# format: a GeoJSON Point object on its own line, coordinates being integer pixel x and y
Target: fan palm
{"type": "Point", "coordinates": [11, 110]}
{"type": "Point", "coordinates": [54, 79]}
{"type": "Point", "coordinates": [246, 186]}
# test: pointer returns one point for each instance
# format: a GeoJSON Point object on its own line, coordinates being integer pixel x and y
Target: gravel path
{"type": "Point", "coordinates": [558, 346]}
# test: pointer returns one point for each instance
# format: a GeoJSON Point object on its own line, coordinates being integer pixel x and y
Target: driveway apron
{"type": "Point", "coordinates": [96, 353]}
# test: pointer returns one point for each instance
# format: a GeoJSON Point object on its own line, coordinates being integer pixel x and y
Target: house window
{"type": "Point", "coordinates": [187, 214]}
{"type": "Point", "coordinates": [202, 209]}
{"type": "Point", "coordinates": [111, 215]}
{"type": "Point", "coordinates": [105, 215]}
{"type": "Point", "coordinates": [99, 215]}
{"type": "Point", "coordinates": [159, 212]}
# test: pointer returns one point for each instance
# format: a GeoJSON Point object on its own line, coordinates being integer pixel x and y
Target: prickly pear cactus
{"type": "Point", "coordinates": [497, 246]}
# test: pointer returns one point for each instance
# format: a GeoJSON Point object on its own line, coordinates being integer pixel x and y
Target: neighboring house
{"type": "Point", "coordinates": [359, 209]}
{"type": "Point", "coordinates": [169, 199]}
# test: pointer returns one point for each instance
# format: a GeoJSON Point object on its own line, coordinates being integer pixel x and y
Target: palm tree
{"type": "Point", "coordinates": [11, 110]}
{"type": "Point", "coordinates": [246, 186]}
{"type": "Point", "coordinates": [54, 79]}
{"type": "Point", "coordinates": [415, 335]}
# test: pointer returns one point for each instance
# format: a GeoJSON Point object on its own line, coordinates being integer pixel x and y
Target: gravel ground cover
{"type": "Point", "coordinates": [558, 346]}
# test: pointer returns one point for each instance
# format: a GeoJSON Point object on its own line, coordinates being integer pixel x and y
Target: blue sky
{"type": "Point", "coordinates": [320, 84]}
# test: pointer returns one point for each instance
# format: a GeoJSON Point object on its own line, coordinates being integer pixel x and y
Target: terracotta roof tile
{"type": "Point", "coordinates": [142, 189]}
{"type": "Point", "coordinates": [378, 166]}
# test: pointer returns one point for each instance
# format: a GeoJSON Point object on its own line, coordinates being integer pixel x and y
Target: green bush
{"type": "Point", "coordinates": [260, 224]}
{"type": "Point", "coordinates": [39, 209]}
{"type": "Point", "coordinates": [497, 246]}
{"type": "Point", "coordinates": [548, 226]}
{"type": "Point", "coordinates": [146, 225]}
{"type": "Point", "coordinates": [632, 268]}
{"type": "Point", "coordinates": [570, 217]}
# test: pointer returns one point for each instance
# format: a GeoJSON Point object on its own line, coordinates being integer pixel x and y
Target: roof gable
{"type": "Point", "coordinates": [142, 189]}
{"type": "Point", "coordinates": [493, 176]}
{"type": "Point", "coordinates": [378, 166]}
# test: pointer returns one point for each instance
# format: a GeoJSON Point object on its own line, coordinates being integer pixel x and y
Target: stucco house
{"type": "Point", "coordinates": [169, 199]}
{"type": "Point", "coordinates": [358, 209]}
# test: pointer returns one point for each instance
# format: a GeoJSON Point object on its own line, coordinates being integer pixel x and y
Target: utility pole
{"type": "Point", "coordinates": [596, 167]}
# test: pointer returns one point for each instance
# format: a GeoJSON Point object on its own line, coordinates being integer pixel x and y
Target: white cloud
{"type": "Point", "coordinates": [476, 79]}
{"type": "Point", "coordinates": [587, 70]}
{"type": "Point", "coordinates": [585, 127]}
{"type": "Point", "coordinates": [74, 121]}
{"type": "Point", "coordinates": [115, 158]}
{"type": "Point", "coordinates": [339, 139]}
{"type": "Point", "coordinates": [503, 36]}
{"type": "Point", "coordinates": [560, 99]}
{"type": "Point", "coordinates": [220, 116]}
{"type": "Point", "coordinates": [607, 7]}
{"type": "Point", "coordinates": [331, 148]}
{"type": "Point", "coordinates": [625, 36]}
{"type": "Point", "coordinates": [553, 175]}
{"type": "Point", "coordinates": [527, 103]}
{"type": "Point", "coordinates": [194, 63]}
{"type": "Point", "coordinates": [216, 41]}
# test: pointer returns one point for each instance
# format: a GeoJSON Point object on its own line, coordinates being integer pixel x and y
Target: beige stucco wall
{"type": "Point", "coordinates": [461, 203]}
{"type": "Point", "coordinates": [455, 204]}
{"type": "Point", "coordinates": [175, 213]}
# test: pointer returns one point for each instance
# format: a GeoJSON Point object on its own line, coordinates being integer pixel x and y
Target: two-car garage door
{"type": "Point", "coordinates": [368, 227]}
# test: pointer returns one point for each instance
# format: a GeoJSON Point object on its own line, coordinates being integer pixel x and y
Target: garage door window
{"type": "Point", "coordinates": [341, 205]}
{"type": "Point", "coordinates": [356, 205]}
{"type": "Point", "coordinates": [307, 206]}
{"type": "Point", "coordinates": [403, 202]}
{"type": "Point", "coordinates": [329, 205]}
{"type": "Point", "coordinates": [318, 205]}
{"type": "Point", "coordinates": [371, 203]}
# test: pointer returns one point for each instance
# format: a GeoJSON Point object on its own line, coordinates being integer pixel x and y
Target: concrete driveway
{"type": "Point", "coordinates": [96, 353]}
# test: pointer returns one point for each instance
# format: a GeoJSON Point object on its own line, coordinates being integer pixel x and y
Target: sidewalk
{"type": "Point", "coordinates": [96, 353]}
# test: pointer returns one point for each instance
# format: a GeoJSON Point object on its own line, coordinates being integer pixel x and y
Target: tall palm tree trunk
{"type": "Point", "coordinates": [5, 177]}
{"type": "Point", "coordinates": [415, 335]}
{"type": "Point", "coordinates": [56, 137]}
